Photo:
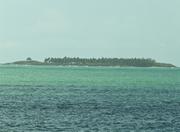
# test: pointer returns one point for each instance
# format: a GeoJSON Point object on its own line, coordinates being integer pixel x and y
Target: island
{"type": "Point", "coordinates": [76, 61]}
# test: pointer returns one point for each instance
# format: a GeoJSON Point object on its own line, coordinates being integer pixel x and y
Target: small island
{"type": "Point", "coordinates": [76, 61]}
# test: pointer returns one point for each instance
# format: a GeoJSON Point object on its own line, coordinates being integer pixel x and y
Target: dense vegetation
{"type": "Point", "coordinates": [137, 62]}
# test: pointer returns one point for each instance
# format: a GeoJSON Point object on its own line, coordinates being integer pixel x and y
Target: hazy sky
{"type": "Point", "coordinates": [90, 28]}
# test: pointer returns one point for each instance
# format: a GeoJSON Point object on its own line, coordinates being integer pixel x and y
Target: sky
{"type": "Point", "coordinates": [90, 28]}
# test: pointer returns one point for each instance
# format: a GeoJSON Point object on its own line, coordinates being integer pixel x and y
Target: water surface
{"type": "Point", "coordinates": [73, 99]}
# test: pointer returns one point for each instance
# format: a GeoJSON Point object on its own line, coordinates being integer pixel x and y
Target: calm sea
{"type": "Point", "coordinates": [89, 99]}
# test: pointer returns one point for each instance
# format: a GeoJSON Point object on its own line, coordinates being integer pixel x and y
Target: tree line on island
{"type": "Point", "coordinates": [76, 61]}
{"type": "Point", "coordinates": [100, 61]}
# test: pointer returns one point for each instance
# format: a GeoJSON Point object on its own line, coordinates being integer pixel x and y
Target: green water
{"type": "Point", "coordinates": [73, 99]}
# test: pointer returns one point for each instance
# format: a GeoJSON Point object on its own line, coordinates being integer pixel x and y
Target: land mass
{"type": "Point", "coordinates": [67, 61]}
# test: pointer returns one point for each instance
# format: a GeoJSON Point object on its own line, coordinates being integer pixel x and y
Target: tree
{"type": "Point", "coordinates": [29, 59]}
{"type": "Point", "coordinates": [101, 61]}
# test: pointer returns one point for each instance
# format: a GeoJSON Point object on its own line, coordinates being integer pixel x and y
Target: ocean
{"type": "Point", "coordinates": [89, 99]}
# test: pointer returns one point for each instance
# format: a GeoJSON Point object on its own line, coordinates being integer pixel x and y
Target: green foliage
{"type": "Point", "coordinates": [29, 59]}
{"type": "Point", "coordinates": [101, 61]}
{"type": "Point", "coordinates": [76, 61]}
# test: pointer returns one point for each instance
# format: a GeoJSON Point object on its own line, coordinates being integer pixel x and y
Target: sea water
{"type": "Point", "coordinates": [89, 99]}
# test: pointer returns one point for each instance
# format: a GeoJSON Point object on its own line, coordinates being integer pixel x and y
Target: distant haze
{"type": "Point", "coordinates": [90, 28]}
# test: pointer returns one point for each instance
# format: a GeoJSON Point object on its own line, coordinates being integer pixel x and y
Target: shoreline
{"type": "Point", "coordinates": [44, 65]}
